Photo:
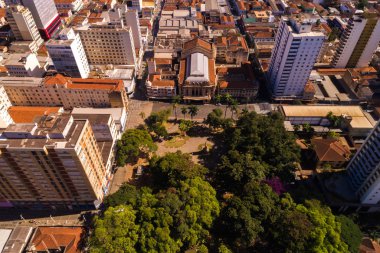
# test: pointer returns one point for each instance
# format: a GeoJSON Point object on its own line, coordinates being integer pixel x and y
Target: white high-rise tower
{"type": "Point", "coordinates": [68, 54]}
{"type": "Point", "coordinates": [296, 50]}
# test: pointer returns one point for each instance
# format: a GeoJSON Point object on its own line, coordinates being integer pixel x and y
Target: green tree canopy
{"type": "Point", "coordinates": [133, 144]}
{"type": "Point", "coordinates": [185, 125]}
{"type": "Point", "coordinates": [171, 168]}
{"type": "Point", "coordinates": [350, 233]}
{"type": "Point", "coordinates": [267, 140]}
{"type": "Point", "coordinates": [116, 231]}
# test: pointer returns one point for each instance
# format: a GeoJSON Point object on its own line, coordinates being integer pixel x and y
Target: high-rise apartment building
{"type": "Point", "coordinates": [130, 17]}
{"type": "Point", "coordinates": [296, 49]}
{"type": "Point", "coordinates": [108, 43]}
{"type": "Point", "coordinates": [364, 169]}
{"type": "Point", "coordinates": [67, 92]}
{"type": "Point", "coordinates": [45, 15]}
{"type": "Point", "coordinates": [358, 41]}
{"type": "Point", "coordinates": [132, 20]}
{"type": "Point", "coordinates": [23, 26]}
{"type": "Point", "coordinates": [55, 161]}
{"type": "Point", "coordinates": [5, 118]}
{"type": "Point", "coordinates": [68, 54]}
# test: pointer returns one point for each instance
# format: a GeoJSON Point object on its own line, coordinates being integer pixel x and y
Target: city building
{"type": "Point", "coordinates": [358, 41]}
{"type": "Point", "coordinates": [330, 152]}
{"type": "Point", "coordinates": [64, 91]}
{"type": "Point", "coordinates": [54, 239]}
{"type": "Point", "coordinates": [17, 240]}
{"type": "Point", "coordinates": [68, 54]}
{"type": "Point", "coordinates": [364, 169]}
{"type": "Point", "coordinates": [239, 82]}
{"type": "Point", "coordinates": [23, 26]}
{"type": "Point", "coordinates": [231, 49]}
{"type": "Point", "coordinates": [5, 104]}
{"type": "Point", "coordinates": [134, 4]}
{"type": "Point", "coordinates": [53, 162]}
{"type": "Point", "coordinates": [108, 43]}
{"type": "Point", "coordinates": [24, 65]}
{"type": "Point", "coordinates": [156, 88]}
{"type": "Point", "coordinates": [355, 121]}
{"type": "Point", "coordinates": [73, 5]}
{"type": "Point", "coordinates": [45, 15]}
{"type": "Point", "coordinates": [197, 76]}
{"type": "Point", "coordinates": [295, 52]}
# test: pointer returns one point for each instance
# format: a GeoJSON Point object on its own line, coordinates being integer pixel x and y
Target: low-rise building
{"type": "Point", "coordinates": [54, 239]}
{"type": "Point", "coordinates": [5, 104]}
{"type": "Point", "coordinates": [24, 65]}
{"type": "Point", "coordinates": [239, 82]}
{"type": "Point", "coordinates": [231, 49]}
{"type": "Point", "coordinates": [330, 152]}
{"type": "Point", "coordinates": [73, 5]}
{"type": "Point", "coordinates": [64, 91]}
{"type": "Point", "coordinates": [354, 120]}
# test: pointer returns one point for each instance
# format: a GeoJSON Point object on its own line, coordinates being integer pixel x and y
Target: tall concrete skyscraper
{"type": "Point", "coordinates": [359, 41]}
{"type": "Point", "coordinates": [45, 15]}
{"type": "Point", "coordinates": [68, 54]}
{"type": "Point", "coordinates": [108, 43]}
{"type": "Point", "coordinates": [23, 26]}
{"type": "Point", "coordinates": [296, 49]}
{"type": "Point", "coordinates": [364, 169]}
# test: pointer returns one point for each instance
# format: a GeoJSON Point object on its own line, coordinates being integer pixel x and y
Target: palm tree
{"type": "Point", "coordinates": [142, 115]}
{"type": "Point", "coordinates": [175, 101]}
{"type": "Point", "coordinates": [184, 112]}
{"type": "Point", "coordinates": [193, 111]}
{"type": "Point", "coordinates": [217, 99]}
{"type": "Point", "coordinates": [234, 107]}
{"type": "Point", "coordinates": [227, 99]}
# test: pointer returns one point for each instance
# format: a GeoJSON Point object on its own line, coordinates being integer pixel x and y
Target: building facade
{"type": "Point", "coordinates": [295, 53]}
{"type": "Point", "coordinates": [5, 118]}
{"type": "Point", "coordinates": [364, 169]}
{"type": "Point", "coordinates": [197, 76]}
{"type": "Point", "coordinates": [23, 26]}
{"type": "Point", "coordinates": [63, 91]}
{"type": "Point", "coordinates": [24, 65]}
{"type": "Point", "coordinates": [358, 41]}
{"type": "Point", "coordinates": [68, 54]}
{"type": "Point", "coordinates": [45, 15]}
{"type": "Point", "coordinates": [54, 162]}
{"type": "Point", "coordinates": [108, 43]}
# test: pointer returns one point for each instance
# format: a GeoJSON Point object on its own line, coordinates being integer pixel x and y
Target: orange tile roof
{"type": "Point", "coordinates": [86, 83]}
{"type": "Point", "coordinates": [55, 237]}
{"type": "Point", "coordinates": [3, 12]}
{"type": "Point", "coordinates": [197, 42]}
{"type": "Point", "coordinates": [182, 69]}
{"type": "Point", "coordinates": [27, 114]}
{"type": "Point", "coordinates": [163, 83]}
{"type": "Point", "coordinates": [330, 150]}
{"type": "Point", "coordinates": [211, 70]}
{"type": "Point", "coordinates": [160, 61]}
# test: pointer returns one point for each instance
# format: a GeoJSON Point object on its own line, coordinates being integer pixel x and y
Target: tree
{"type": "Point", "coordinates": [185, 125]}
{"type": "Point", "coordinates": [116, 231]}
{"type": "Point", "coordinates": [335, 121]}
{"type": "Point", "coordinates": [237, 169]}
{"type": "Point", "coordinates": [234, 107]}
{"type": "Point", "coordinates": [171, 168]}
{"type": "Point", "coordinates": [218, 99]}
{"type": "Point", "coordinates": [133, 144]}
{"type": "Point", "coordinates": [175, 101]}
{"type": "Point", "coordinates": [362, 4]}
{"type": "Point", "coordinates": [184, 112]}
{"type": "Point", "coordinates": [194, 206]}
{"type": "Point", "coordinates": [243, 218]}
{"type": "Point", "coordinates": [267, 140]}
{"type": "Point", "coordinates": [326, 233]}
{"type": "Point", "coordinates": [193, 111]}
{"type": "Point", "coordinates": [227, 99]}
{"type": "Point", "coordinates": [350, 233]}
{"type": "Point", "coordinates": [333, 134]}
{"type": "Point", "coordinates": [155, 122]}
{"type": "Point", "coordinates": [214, 118]}
{"type": "Point", "coordinates": [142, 115]}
